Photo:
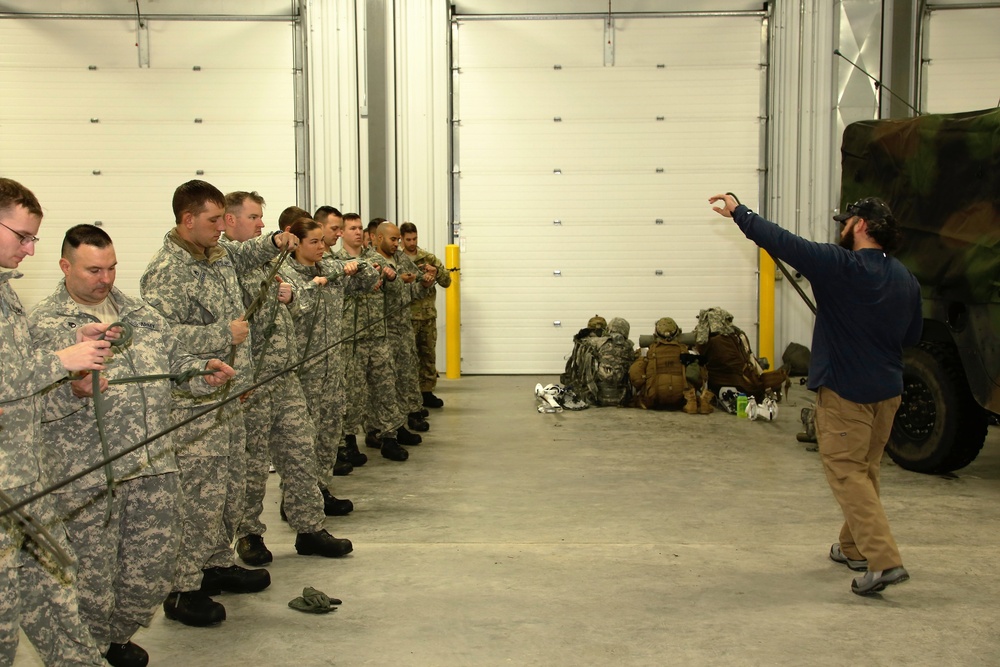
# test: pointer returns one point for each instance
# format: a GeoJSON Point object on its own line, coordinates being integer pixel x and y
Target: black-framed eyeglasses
{"type": "Point", "coordinates": [25, 239]}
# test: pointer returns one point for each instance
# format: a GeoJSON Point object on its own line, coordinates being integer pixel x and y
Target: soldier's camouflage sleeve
{"type": "Point", "coordinates": [173, 294]}
{"type": "Point", "coordinates": [24, 369]}
{"type": "Point", "coordinates": [253, 253]}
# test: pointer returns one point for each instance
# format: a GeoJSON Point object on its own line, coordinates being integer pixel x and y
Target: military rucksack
{"type": "Point", "coordinates": [731, 363]}
{"type": "Point", "coordinates": [597, 369]}
{"type": "Point", "coordinates": [659, 377]}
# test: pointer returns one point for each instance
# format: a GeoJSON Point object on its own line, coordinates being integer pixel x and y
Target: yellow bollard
{"type": "Point", "coordinates": [766, 309]}
{"type": "Point", "coordinates": [453, 314]}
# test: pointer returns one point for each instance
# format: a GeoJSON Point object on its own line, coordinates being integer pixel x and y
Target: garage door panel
{"type": "Point", "coordinates": [642, 42]}
{"type": "Point", "coordinates": [962, 72]}
{"type": "Point", "coordinates": [531, 44]}
{"type": "Point", "coordinates": [123, 147]}
{"type": "Point", "coordinates": [151, 96]}
{"type": "Point", "coordinates": [695, 145]}
{"type": "Point", "coordinates": [609, 92]}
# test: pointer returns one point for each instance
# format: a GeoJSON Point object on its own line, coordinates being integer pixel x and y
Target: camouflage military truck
{"type": "Point", "coordinates": [941, 176]}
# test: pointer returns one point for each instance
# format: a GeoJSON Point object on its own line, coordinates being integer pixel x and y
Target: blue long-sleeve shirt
{"type": "Point", "coordinates": [868, 310]}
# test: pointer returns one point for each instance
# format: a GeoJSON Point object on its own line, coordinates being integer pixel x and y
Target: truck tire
{"type": "Point", "coordinates": [939, 426]}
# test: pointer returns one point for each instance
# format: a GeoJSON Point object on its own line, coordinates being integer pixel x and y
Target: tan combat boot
{"type": "Point", "coordinates": [691, 406]}
{"type": "Point", "coordinates": [705, 402]}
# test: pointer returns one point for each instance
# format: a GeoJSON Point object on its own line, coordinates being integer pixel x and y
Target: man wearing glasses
{"type": "Point", "coordinates": [36, 592]}
{"type": "Point", "coordinates": [868, 310]}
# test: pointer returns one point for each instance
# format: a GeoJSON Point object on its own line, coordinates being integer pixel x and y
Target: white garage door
{"type": "Point", "coordinates": [962, 56]}
{"type": "Point", "coordinates": [99, 138]}
{"type": "Point", "coordinates": [586, 159]}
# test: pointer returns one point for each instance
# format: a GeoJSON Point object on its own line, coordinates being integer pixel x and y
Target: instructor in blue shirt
{"type": "Point", "coordinates": [868, 310]}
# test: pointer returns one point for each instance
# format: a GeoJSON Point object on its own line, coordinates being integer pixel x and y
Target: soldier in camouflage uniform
{"type": "Point", "coordinates": [320, 285]}
{"type": "Point", "coordinates": [277, 419]}
{"type": "Point", "coordinates": [193, 282]}
{"type": "Point", "coordinates": [370, 365]}
{"type": "Point", "coordinates": [35, 591]}
{"type": "Point", "coordinates": [411, 283]}
{"type": "Point", "coordinates": [423, 312]}
{"type": "Point", "coordinates": [126, 557]}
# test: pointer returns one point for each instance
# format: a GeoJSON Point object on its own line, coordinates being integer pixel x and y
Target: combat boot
{"type": "Point", "coordinates": [415, 421]}
{"type": "Point", "coordinates": [354, 455]}
{"type": "Point", "coordinates": [322, 543]}
{"type": "Point", "coordinates": [193, 608]}
{"type": "Point", "coordinates": [691, 401]}
{"type": "Point", "coordinates": [335, 506]}
{"type": "Point", "coordinates": [372, 440]}
{"type": "Point", "coordinates": [431, 401]}
{"type": "Point", "coordinates": [233, 579]}
{"type": "Point", "coordinates": [705, 402]}
{"type": "Point", "coordinates": [341, 468]}
{"type": "Point", "coordinates": [392, 451]}
{"type": "Point", "coordinates": [252, 550]}
{"type": "Point", "coordinates": [406, 438]}
{"type": "Point", "coordinates": [425, 413]}
{"type": "Point", "coordinates": [128, 654]}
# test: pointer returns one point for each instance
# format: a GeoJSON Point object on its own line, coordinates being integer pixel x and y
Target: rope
{"type": "Point", "coordinates": [13, 507]}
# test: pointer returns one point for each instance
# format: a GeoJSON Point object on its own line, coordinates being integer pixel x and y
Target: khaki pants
{"type": "Point", "coordinates": [852, 437]}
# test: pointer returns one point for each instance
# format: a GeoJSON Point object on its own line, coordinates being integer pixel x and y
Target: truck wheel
{"type": "Point", "coordinates": [939, 426]}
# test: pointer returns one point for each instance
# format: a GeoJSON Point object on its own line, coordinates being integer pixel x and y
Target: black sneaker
{"type": "Point", "coordinates": [341, 468]}
{"type": "Point", "coordinates": [354, 455]}
{"type": "Point", "coordinates": [406, 438]}
{"type": "Point", "coordinates": [322, 543]}
{"type": "Point", "coordinates": [371, 440]}
{"type": "Point", "coordinates": [417, 423]}
{"type": "Point", "coordinates": [234, 579]}
{"type": "Point", "coordinates": [193, 608]}
{"type": "Point", "coordinates": [432, 401]}
{"type": "Point", "coordinates": [392, 451]}
{"type": "Point", "coordinates": [335, 506]}
{"type": "Point", "coordinates": [874, 581]}
{"type": "Point", "coordinates": [252, 550]}
{"type": "Point", "coordinates": [127, 655]}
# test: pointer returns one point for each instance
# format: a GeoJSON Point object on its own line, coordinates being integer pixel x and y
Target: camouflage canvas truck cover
{"type": "Point", "coordinates": [940, 174]}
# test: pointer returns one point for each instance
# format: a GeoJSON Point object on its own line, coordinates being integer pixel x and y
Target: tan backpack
{"type": "Point", "coordinates": [659, 377]}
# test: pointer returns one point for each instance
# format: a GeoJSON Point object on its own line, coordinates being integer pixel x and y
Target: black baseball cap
{"type": "Point", "coordinates": [869, 208]}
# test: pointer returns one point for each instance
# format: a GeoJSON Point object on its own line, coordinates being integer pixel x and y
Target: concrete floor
{"type": "Point", "coordinates": [614, 537]}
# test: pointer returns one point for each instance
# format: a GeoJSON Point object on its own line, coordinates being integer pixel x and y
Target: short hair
{"type": "Point", "coordinates": [303, 226]}
{"type": "Point", "coordinates": [84, 234]}
{"type": "Point", "coordinates": [192, 196]}
{"type": "Point", "coordinates": [407, 228]}
{"type": "Point", "coordinates": [325, 211]}
{"type": "Point", "coordinates": [290, 215]}
{"type": "Point", "coordinates": [234, 200]}
{"type": "Point", "coordinates": [373, 224]}
{"type": "Point", "coordinates": [351, 216]}
{"type": "Point", "coordinates": [14, 194]}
